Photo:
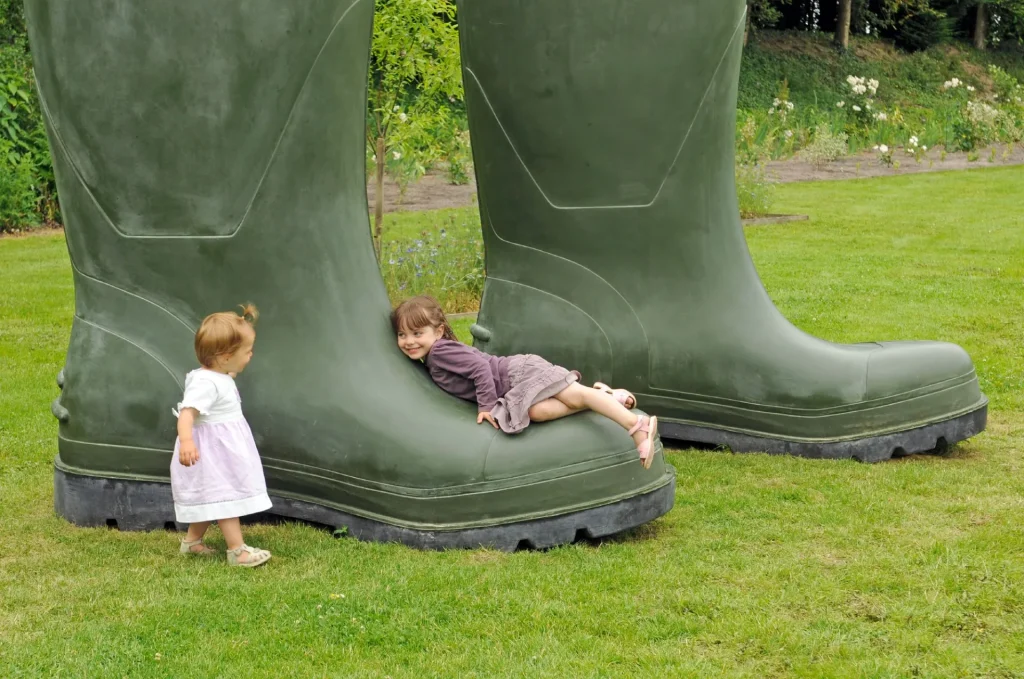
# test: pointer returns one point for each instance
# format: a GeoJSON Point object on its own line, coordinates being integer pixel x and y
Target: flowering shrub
{"type": "Point", "coordinates": [978, 123]}
{"type": "Point", "coordinates": [861, 103]}
{"type": "Point", "coordinates": [916, 149]}
{"type": "Point", "coordinates": [885, 156]}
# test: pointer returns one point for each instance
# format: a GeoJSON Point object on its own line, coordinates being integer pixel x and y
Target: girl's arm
{"type": "Point", "coordinates": [188, 455]}
{"type": "Point", "coordinates": [486, 390]}
{"type": "Point", "coordinates": [465, 361]}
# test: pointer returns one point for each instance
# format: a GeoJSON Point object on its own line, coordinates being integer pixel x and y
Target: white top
{"type": "Point", "coordinates": [213, 394]}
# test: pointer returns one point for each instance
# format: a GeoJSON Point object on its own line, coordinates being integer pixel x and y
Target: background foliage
{"type": "Point", "coordinates": [795, 93]}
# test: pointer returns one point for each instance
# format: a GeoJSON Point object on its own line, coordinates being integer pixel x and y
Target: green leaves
{"type": "Point", "coordinates": [27, 191]}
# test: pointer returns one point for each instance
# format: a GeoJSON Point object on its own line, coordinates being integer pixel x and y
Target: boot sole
{"type": "Point", "coordinates": [936, 437]}
{"type": "Point", "coordinates": [148, 505]}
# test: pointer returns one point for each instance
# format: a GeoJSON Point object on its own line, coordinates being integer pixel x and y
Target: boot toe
{"type": "Point", "coordinates": [916, 368]}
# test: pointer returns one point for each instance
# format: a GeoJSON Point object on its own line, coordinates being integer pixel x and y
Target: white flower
{"type": "Point", "coordinates": [881, 116]}
{"type": "Point", "coordinates": [403, 117]}
{"type": "Point", "coordinates": [397, 155]}
{"type": "Point", "coordinates": [970, 88]}
{"type": "Point", "coordinates": [873, 86]}
{"type": "Point", "coordinates": [859, 89]}
{"type": "Point", "coordinates": [789, 134]}
{"type": "Point", "coordinates": [924, 148]}
{"type": "Point", "coordinates": [856, 108]}
{"type": "Point", "coordinates": [777, 102]}
{"type": "Point", "coordinates": [789, 105]}
{"type": "Point", "coordinates": [913, 141]}
{"type": "Point", "coordinates": [876, 147]}
{"type": "Point", "coordinates": [395, 110]}
{"type": "Point", "coordinates": [883, 148]}
{"type": "Point", "coordinates": [374, 157]}
{"type": "Point", "coordinates": [840, 104]}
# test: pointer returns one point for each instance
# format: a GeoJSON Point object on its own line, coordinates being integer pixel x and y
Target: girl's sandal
{"type": "Point", "coordinates": [620, 395]}
{"type": "Point", "coordinates": [188, 545]}
{"type": "Point", "coordinates": [257, 557]}
{"type": "Point", "coordinates": [648, 425]}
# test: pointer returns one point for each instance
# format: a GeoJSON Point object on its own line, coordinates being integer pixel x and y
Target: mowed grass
{"type": "Point", "coordinates": [767, 566]}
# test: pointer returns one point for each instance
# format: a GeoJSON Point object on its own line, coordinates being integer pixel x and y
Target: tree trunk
{"type": "Point", "coordinates": [378, 212]}
{"type": "Point", "coordinates": [843, 24]}
{"type": "Point", "coordinates": [981, 27]}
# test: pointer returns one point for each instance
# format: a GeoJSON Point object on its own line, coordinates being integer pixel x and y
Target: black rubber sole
{"type": "Point", "coordinates": [935, 437]}
{"type": "Point", "coordinates": [147, 505]}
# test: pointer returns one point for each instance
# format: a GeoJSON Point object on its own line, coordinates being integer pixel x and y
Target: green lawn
{"type": "Point", "coordinates": [767, 567]}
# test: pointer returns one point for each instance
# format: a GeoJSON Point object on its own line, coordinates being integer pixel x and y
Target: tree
{"type": "Point", "coordinates": [415, 77]}
{"type": "Point", "coordinates": [843, 24]}
{"type": "Point", "coordinates": [762, 14]}
{"type": "Point", "coordinates": [987, 21]}
{"type": "Point", "coordinates": [980, 26]}
{"type": "Point", "coordinates": [1004, 20]}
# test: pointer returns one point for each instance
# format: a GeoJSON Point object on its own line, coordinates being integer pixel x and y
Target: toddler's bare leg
{"type": "Point", "coordinates": [196, 531]}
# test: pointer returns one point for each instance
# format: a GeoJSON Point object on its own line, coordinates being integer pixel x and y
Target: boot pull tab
{"type": "Point", "coordinates": [59, 411]}
{"type": "Point", "coordinates": [480, 333]}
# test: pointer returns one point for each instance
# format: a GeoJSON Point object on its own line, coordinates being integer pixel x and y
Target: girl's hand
{"type": "Point", "coordinates": [188, 454]}
{"type": "Point", "coordinates": [486, 416]}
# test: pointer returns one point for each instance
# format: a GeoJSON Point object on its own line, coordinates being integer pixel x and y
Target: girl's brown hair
{"type": "Point", "coordinates": [223, 333]}
{"type": "Point", "coordinates": [419, 312]}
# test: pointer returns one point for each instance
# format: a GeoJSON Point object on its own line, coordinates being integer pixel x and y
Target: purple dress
{"type": "Point", "coordinates": [227, 481]}
{"type": "Point", "coordinates": [505, 386]}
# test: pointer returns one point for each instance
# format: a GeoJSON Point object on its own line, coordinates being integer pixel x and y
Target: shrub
{"type": "Point", "coordinates": [922, 29]}
{"type": "Point", "coordinates": [825, 147]}
{"type": "Point", "coordinates": [17, 190]}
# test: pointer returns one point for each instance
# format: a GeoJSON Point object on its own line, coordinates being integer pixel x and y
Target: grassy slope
{"type": "Point", "coordinates": [817, 72]}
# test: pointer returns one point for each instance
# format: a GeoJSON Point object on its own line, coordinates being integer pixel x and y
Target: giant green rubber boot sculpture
{"type": "Point", "coordinates": [603, 137]}
{"type": "Point", "coordinates": [211, 153]}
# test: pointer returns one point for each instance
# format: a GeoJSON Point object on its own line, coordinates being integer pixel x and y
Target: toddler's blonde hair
{"type": "Point", "coordinates": [223, 333]}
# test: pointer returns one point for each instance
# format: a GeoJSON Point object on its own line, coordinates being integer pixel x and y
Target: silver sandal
{"type": "Point", "coordinates": [187, 545]}
{"type": "Point", "coordinates": [257, 557]}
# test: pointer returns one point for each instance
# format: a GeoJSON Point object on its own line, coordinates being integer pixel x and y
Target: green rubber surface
{"type": "Point", "coordinates": [604, 143]}
{"type": "Point", "coordinates": [209, 154]}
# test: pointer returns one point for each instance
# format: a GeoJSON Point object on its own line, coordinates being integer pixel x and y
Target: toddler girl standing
{"type": "Point", "coordinates": [216, 474]}
{"type": "Point", "coordinates": [510, 391]}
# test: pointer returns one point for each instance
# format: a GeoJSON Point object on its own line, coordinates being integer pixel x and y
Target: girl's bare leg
{"type": "Point", "coordinates": [577, 397]}
{"type": "Point", "coordinates": [550, 409]}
